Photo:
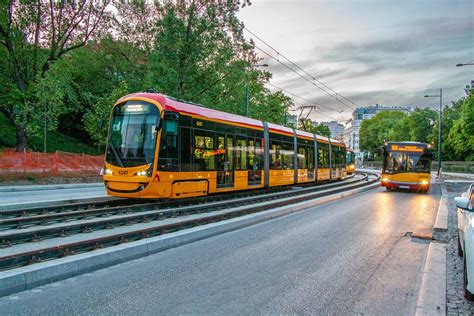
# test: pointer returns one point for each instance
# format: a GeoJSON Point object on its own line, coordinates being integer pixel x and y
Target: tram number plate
{"type": "Point", "coordinates": [404, 187]}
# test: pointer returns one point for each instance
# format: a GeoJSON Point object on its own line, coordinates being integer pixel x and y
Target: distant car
{"type": "Point", "coordinates": [465, 204]}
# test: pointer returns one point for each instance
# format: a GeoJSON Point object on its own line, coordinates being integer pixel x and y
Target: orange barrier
{"type": "Point", "coordinates": [49, 164]}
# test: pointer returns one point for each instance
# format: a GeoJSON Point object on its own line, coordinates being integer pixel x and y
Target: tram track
{"type": "Point", "coordinates": [35, 242]}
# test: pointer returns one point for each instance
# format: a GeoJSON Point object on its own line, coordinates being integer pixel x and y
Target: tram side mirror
{"type": "Point", "coordinates": [462, 203]}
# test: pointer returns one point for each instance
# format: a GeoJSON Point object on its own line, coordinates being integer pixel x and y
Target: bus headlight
{"type": "Point", "coordinates": [141, 173]}
{"type": "Point", "coordinates": [384, 179]}
{"type": "Point", "coordinates": [106, 171]}
{"type": "Point", "coordinates": [424, 182]}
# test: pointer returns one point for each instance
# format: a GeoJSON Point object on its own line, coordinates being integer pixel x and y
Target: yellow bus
{"type": "Point", "coordinates": [407, 165]}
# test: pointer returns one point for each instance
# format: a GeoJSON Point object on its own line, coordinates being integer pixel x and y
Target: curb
{"type": "Point", "coordinates": [432, 297]}
{"type": "Point", "coordinates": [28, 277]}
{"type": "Point", "coordinates": [441, 223]}
{"type": "Point", "coordinates": [23, 188]}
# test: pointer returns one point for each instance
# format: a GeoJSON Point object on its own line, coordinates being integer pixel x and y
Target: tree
{"type": "Point", "coordinates": [461, 135]}
{"type": "Point", "coordinates": [376, 130]}
{"type": "Point", "coordinates": [34, 35]}
{"type": "Point", "coordinates": [309, 126]}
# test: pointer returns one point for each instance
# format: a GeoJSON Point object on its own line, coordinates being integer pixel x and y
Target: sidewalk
{"type": "Point", "coordinates": [21, 188]}
{"type": "Point", "coordinates": [48, 195]}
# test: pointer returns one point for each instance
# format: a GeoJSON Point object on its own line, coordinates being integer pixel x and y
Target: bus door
{"type": "Point", "coordinates": [225, 161]}
{"type": "Point", "coordinates": [254, 162]}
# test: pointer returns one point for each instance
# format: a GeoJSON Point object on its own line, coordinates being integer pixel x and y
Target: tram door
{"type": "Point", "coordinates": [225, 161]}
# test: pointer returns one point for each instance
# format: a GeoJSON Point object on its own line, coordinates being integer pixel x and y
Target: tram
{"type": "Point", "coordinates": [159, 147]}
{"type": "Point", "coordinates": [350, 161]}
{"type": "Point", "coordinates": [407, 165]}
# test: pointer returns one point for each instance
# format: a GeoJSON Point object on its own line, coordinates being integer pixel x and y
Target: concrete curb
{"type": "Point", "coordinates": [441, 224]}
{"type": "Point", "coordinates": [23, 188]}
{"type": "Point", "coordinates": [25, 278]}
{"type": "Point", "coordinates": [432, 297]}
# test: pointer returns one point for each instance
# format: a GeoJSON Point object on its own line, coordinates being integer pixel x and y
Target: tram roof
{"type": "Point", "coordinates": [170, 104]}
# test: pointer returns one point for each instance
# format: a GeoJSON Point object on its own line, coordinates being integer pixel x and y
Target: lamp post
{"type": "Point", "coordinates": [440, 96]}
{"type": "Point", "coordinates": [465, 64]}
{"type": "Point", "coordinates": [247, 90]}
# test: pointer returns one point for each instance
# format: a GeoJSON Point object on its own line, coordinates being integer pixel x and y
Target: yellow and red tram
{"type": "Point", "coordinates": [159, 147]}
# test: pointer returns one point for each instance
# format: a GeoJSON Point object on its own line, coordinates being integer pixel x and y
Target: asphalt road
{"type": "Point", "coordinates": [345, 257]}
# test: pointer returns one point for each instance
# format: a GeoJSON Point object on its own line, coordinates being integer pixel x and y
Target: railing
{"type": "Point", "coordinates": [448, 166]}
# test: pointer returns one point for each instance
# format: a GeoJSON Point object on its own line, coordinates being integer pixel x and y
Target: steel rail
{"type": "Point", "coordinates": [12, 261]}
{"type": "Point", "coordinates": [65, 216]}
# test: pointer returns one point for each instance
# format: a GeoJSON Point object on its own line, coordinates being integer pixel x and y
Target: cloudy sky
{"type": "Point", "coordinates": [381, 51]}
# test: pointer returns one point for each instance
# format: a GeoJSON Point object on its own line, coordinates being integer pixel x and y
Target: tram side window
{"type": "Point", "coordinates": [203, 154]}
{"type": "Point", "coordinates": [310, 157]}
{"type": "Point", "coordinates": [185, 149]}
{"type": "Point", "coordinates": [302, 152]}
{"type": "Point", "coordinates": [288, 155]}
{"type": "Point", "coordinates": [241, 153]}
{"type": "Point", "coordinates": [255, 154]}
{"type": "Point", "coordinates": [258, 164]}
{"type": "Point", "coordinates": [168, 154]}
{"type": "Point", "coordinates": [323, 155]}
{"type": "Point", "coordinates": [275, 155]}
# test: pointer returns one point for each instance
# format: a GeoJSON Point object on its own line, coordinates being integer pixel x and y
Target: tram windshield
{"type": "Point", "coordinates": [133, 133]}
{"type": "Point", "coordinates": [405, 161]}
{"type": "Point", "coordinates": [350, 157]}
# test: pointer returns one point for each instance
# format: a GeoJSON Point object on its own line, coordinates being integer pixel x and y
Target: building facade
{"type": "Point", "coordinates": [352, 128]}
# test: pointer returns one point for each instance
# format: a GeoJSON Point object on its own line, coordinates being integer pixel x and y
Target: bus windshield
{"type": "Point", "coordinates": [133, 133]}
{"type": "Point", "coordinates": [407, 162]}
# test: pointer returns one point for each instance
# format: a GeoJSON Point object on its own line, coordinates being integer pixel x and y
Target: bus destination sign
{"type": "Point", "coordinates": [407, 148]}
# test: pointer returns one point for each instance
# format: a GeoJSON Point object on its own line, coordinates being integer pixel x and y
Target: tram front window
{"type": "Point", "coordinates": [133, 133]}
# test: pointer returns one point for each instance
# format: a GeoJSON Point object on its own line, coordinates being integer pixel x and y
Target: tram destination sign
{"type": "Point", "coordinates": [407, 148]}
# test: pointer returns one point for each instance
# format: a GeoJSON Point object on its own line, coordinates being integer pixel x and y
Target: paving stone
{"type": "Point", "coordinates": [457, 304]}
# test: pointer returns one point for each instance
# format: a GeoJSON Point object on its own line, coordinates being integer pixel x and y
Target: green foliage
{"type": "Point", "coordinates": [95, 120]}
{"type": "Point", "coordinates": [375, 131]}
{"type": "Point", "coordinates": [307, 125]}
{"type": "Point", "coordinates": [461, 135]}
{"type": "Point", "coordinates": [56, 141]}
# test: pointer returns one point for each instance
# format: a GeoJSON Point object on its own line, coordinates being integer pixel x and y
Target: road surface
{"type": "Point", "coordinates": [345, 257]}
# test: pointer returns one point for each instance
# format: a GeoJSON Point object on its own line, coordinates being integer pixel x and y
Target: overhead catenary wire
{"type": "Point", "coordinates": [337, 96]}
{"type": "Point", "coordinates": [302, 98]}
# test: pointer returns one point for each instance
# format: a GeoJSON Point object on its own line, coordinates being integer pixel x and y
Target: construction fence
{"type": "Point", "coordinates": [48, 164]}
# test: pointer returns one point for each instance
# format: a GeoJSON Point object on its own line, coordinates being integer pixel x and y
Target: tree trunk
{"type": "Point", "coordinates": [21, 138]}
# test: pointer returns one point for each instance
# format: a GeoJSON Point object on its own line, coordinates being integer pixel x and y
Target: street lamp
{"type": "Point", "coordinates": [247, 90]}
{"type": "Point", "coordinates": [440, 96]}
{"type": "Point", "coordinates": [465, 64]}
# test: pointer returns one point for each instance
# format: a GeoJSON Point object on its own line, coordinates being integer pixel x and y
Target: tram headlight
{"type": "Point", "coordinates": [105, 171]}
{"type": "Point", "coordinates": [148, 172]}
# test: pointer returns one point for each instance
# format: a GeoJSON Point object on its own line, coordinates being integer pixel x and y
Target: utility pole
{"type": "Point", "coordinates": [440, 96]}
